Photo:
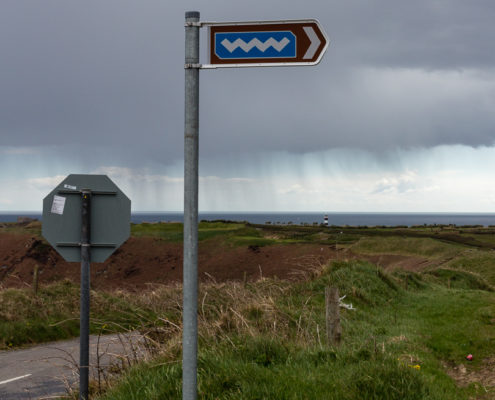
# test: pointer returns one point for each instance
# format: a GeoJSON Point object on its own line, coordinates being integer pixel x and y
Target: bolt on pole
{"type": "Point", "coordinates": [190, 267]}
{"type": "Point", "coordinates": [84, 317]}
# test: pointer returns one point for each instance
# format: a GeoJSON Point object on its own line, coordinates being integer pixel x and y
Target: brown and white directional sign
{"type": "Point", "coordinates": [266, 43]}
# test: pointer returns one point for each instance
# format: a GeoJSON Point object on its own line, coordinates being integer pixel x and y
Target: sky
{"type": "Point", "coordinates": [397, 117]}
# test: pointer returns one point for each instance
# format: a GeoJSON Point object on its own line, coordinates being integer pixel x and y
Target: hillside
{"type": "Point", "coordinates": [423, 300]}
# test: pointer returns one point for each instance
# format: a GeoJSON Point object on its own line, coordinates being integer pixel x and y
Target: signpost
{"type": "Point", "coordinates": [232, 44]}
{"type": "Point", "coordinates": [86, 218]}
{"type": "Point", "coordinates": [266, 43]}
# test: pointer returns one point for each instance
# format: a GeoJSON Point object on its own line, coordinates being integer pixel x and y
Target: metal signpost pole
{"type": "Point", "coordinates": [84, 321]}
{"type": "Point", "coordinates": [232, 44]}
{"type": "Point", "coordinates": [190, 267]}
{"type": "Point", "coordinates": [67, 226]}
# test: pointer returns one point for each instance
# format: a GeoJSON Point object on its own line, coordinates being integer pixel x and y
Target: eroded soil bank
{"type": "Point", "coordinates": [144, 261]}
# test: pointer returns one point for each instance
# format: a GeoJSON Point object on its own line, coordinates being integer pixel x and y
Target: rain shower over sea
{"type": "Point", "coordinates": [297, 218]}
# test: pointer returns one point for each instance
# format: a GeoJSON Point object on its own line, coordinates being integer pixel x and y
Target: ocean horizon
{"type": "Point", "coordinates": [297, 218]}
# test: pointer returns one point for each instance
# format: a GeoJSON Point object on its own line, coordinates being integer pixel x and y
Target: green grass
{"type": "Point", "coordinates": [424, 247]}
{"type": "Point", "coordinates": [458, 279]}
{"type": "Point", "coordinates": [170, 231]}
{"type": "Point", "coordinates": [173, 232]}
{"type": "Point", "coordinates": [33, 228]}
{"type": "Point", "coordinates": [484, 235]}
{"type": "Point", "coordinates": [395, 345]}
{"type": "Point", "coordinates": [54, 314]}
{"type": "Point", "coordinates": [266, 370]}
{"type": "Point", "coordinates": [482, 263]}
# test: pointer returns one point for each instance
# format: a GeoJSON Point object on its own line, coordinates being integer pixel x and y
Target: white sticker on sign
{"type": "Point", "coordinates": [58, 205]}
{"type": "Point", "coordinates": [70, 187]}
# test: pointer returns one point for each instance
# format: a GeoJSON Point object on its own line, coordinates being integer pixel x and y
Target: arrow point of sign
{"type": "Point", "coordinates": [315, 42]}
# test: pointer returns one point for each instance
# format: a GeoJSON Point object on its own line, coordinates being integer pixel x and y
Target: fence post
{"type": "Point", "coordinates": [334, 330]}
{"type": "Point", "coordinates": [35, 279]}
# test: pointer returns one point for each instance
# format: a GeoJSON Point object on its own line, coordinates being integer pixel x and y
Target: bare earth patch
{"type": "Point", "coordinates": [484, 376]}
{"type": "Point", "coordinates": [142, 261]}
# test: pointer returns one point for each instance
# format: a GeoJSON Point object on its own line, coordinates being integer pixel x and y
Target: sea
{"type": "Point", "coordinates": [335, 218]}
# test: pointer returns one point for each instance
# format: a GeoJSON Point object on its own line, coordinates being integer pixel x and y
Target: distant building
{"type": "Point", "coordinates": [325, 220]}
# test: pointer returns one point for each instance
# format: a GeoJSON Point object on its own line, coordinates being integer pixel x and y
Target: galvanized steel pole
{"type": "Point", "coordinates": [84, 318]}
{"type": "Point", "coordinates": [190, 268]}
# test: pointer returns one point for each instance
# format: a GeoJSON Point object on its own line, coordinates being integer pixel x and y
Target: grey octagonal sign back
{"type": "Point", "coordinates": [110, 217]}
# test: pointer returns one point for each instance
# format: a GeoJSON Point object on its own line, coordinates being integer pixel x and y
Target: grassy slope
{"type": "Point", "coordinates": [54, 314]}
{"type": "Point", "coordinates": [482, 263]}
{"type": "Point", "coordinates": [424, 247]}
{"type": "Point", "coordinates": [271, 343]}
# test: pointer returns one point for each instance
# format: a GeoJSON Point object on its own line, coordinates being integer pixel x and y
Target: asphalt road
{"type": "Point", "coordinates": [50, 370]}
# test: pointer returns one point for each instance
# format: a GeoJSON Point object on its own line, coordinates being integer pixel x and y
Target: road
{"type": "Point", "coordinates": [50, 370]}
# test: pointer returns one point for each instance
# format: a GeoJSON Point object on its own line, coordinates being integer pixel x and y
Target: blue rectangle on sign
{"type": "Point", "coordinates": [233, 45]}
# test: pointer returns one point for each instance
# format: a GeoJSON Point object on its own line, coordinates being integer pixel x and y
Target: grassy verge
{"type": "Point", "coordinates": [267, 340]}
{"type": "Point", "coordinates": [54, 314]}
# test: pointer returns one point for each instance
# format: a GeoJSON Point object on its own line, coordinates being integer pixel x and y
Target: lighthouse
{"type": "Point", "coordinates": [325, 220]}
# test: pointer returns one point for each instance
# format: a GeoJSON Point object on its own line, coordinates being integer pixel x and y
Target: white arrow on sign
{"type": "Point", "coordinates": [315, 42]}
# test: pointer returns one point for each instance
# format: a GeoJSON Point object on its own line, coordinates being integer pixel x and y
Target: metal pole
{"type": "Point", "coordinates": [190, 268]}
{"type": "Point", "coordinates": [84, 321]}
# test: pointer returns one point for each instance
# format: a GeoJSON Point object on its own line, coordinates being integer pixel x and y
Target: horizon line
{"type": "Point", "coordinates": [276, 212]}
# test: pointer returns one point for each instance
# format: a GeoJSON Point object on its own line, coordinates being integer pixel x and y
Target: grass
{"type": "Point", "coordinates": [33, 228]}
{"type": "Point", "coordinates": [267, 340]}
{"type": "Point", "coordinates": [170, 231]}
{"type": "Point", "coordinates": [54, 314]}
{"type": "Point", "coordinates": [423, 247]}
{"type": "Point", "coordinates": [482, 263]}
{"type": "Point", "coordinates": [266, 370]}
{"type": "Point", "coordinates": [173, 232]}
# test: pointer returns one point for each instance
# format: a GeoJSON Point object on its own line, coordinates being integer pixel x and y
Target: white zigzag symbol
{"type": "Point", "coordinates": [231, 46]}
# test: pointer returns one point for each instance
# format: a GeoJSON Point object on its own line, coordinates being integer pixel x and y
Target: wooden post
{"type": "Point", "coordinates": [35, 280]}
{"type": "Point", "coordinates": [334, 330]}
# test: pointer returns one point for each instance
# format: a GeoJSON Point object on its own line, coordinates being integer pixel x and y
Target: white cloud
{"type": "Point", "coordinates": [406, 182]}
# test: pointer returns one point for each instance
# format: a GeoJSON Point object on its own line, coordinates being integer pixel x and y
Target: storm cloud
{"type": "Point", "coordinates": [104, 80]}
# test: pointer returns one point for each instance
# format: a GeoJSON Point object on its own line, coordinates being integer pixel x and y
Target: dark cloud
{"type": "Point", "coordinates": [107, 77]}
